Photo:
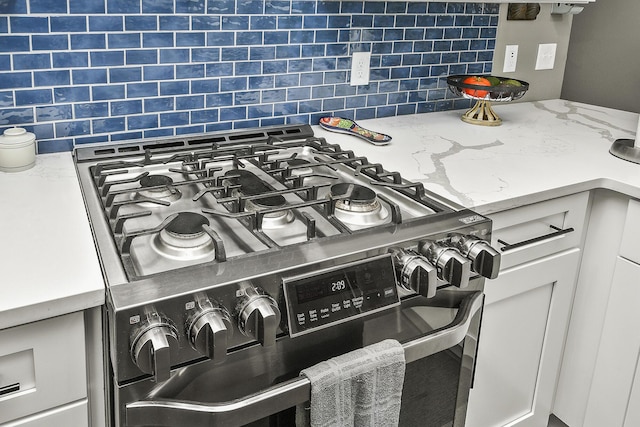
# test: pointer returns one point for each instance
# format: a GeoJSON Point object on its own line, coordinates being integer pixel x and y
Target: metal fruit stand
{"type": "Point", "coordinates": [482, 113]}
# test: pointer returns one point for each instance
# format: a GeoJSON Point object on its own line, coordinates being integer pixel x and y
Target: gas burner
{"type": "Point", "coordinates": [155, 180]}
{"type": "Point", "coordinates": [277, 219]}
{"type": "Point", "coordinates": [157, 187]}
{"type": "Point", "coordinates": [358, 205]}
{"type": "Point", "coordinates": [185, 238]}
{"type": "Point", "coordinates": [251, 185]}
{"type": "Point", "coordinates": [357, 198]}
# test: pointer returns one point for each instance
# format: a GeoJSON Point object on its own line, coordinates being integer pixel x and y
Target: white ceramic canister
{"type": "Point", "coordinates": [17, 150]}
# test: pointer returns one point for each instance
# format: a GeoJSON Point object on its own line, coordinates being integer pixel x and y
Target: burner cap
{"type": "Point", "coordinates": [354, 193]}
{"type": "Point", "coordinates": [155, 180]}
{"type": "Point", "coordinates": [158, 187]}
{"type": "Point", "coordinates": [251, 185]}
{"type": "Point", "coordinates": [360, 207]}
{"type": "Point", "coordinates": [270, 202]}
{"type": "Point", "coordinates": [187, 224]}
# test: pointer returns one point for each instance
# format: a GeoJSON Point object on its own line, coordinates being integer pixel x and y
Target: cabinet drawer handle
{"type": "Point", "coordinates": [9, 388]}
{"type": "Point", "coordinates": [558, 232]}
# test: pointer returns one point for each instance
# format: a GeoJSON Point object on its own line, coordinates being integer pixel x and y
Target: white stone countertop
{"type": "Point", "coordinates": [542, 150]}
{"type": "Point", "coordinates": [48, 262]}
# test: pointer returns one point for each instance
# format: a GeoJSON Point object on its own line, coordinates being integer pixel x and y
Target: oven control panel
{"type": "Point", "coordinates": [323, 298]}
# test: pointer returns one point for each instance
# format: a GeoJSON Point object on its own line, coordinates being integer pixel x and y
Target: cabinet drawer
{"type": "Point", "coordinates": [541, 229]}
{"type": "Point", "coordinates": [630, 246]}
{"type": "Point", "coordinates": [75, 414]}
{"type": "Point", "coordinates": [42, 366]}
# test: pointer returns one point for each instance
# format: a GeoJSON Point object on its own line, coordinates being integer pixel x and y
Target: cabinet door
{"type": "Point", "coordinates": [618, 353]}
{"type": "Point", "coordinates": [42, 366]}
{"type": "Point", "coordinates": [519, 352]}
{"type": "Point", "coordinates": [630, 245]}
{"type": "Point", "coordinates": [633, 409]}
{"type": "Point", "coordinates": [597, 268]}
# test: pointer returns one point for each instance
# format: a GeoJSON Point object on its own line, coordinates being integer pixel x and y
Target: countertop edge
{"type": "Point", "coordinates": [554, 193]}
{"type": "Point", "coordinates": [47, 309]}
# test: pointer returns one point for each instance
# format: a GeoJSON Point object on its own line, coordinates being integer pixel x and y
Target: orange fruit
{"type": "Point", "coordinates": [476, 81]}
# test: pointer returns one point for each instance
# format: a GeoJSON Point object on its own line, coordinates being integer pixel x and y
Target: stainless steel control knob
{"type": "Point", "coordinates": [451, 266]}
{"type": "Point", "coordinates": [208, 331]}
{"type": "Point", "coordinates": [258, 316]}
{"type": "Point", "coordinates": [416, 273]}
{"type": "Point", "coordinates": [151, 346]}
{"type": "Point", "coordinates": [485, 260]}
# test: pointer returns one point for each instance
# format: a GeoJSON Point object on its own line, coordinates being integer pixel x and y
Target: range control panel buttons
{"type": "Point", "coordinates": [339, 294]}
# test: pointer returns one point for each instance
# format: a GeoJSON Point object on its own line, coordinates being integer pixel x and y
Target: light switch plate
{"type": "Point", "coordinates": [546, 56]}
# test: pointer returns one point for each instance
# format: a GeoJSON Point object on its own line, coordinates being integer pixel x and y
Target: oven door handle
{"type": "Point", "coordinates": [171, 413]}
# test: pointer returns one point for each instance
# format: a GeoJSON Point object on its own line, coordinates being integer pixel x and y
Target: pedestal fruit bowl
{"type": "Point", "coordinates": [486, 89]}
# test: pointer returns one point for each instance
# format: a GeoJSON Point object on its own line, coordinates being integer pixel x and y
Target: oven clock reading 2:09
{"type": "Point", "coordinates": [323, 286]}
{"type": "Point", "coordinates": [338, 286]}
{"type": "Point", "coordinates": [317, 300]}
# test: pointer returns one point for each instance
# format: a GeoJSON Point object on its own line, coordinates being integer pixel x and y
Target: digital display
{"type": "Point", "coordinates": [334, 284]}
{"type": "Point", "coordinates": [342, 293]}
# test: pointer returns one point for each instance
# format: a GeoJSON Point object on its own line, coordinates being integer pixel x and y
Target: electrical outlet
{"type": "Point", "coordinates": [360, 68]}
{"type": "Point", "coordinates": [510, 58]}
{"type": "Point", "coordinates": [546, 56]}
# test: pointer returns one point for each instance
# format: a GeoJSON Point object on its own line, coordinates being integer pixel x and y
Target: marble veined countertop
{"type": "Point", "coordinates": [547, 149]}
{"type": "Point", "coordinates": [542, 150]}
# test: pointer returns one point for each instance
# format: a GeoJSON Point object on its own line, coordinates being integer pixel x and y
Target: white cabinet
{"type": "Point", "coordinates": [600, 358]}
{"type": "Point", "coordinates": [619, 348]}
{"type": "Point", "coordinates": [614, 398]}
{"type": "Point", "coordinates": [527, 312]}
{"type": "Point", "coordinates": [630, 245]}
{"type": "Point", "coordinates": [70, 415]}
{"type": "Point", "coordinates": [521, 343]}
{"type": "Point", "coordinates": [633, 409]}
{"type": "Point", "coordinates": [43, 372]}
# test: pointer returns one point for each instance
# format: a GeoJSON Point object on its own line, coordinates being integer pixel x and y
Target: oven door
{"type": "Point", "coordinates": [260, 386]}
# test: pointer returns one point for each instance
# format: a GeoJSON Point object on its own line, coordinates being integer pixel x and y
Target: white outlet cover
{"type": "Point", "coordinates": [546, 56]}
{"type": "Point", "coordinates": [360, 68]}
{"type": "Point", "coordinates": [510, 58]}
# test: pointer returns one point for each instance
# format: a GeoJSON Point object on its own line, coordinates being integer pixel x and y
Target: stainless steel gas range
{"type": "Point", "coordinates": [234, 260]}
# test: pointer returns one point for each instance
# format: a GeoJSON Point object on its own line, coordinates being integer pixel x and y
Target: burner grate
{"type": "Point", "coordinates": [264, 185]}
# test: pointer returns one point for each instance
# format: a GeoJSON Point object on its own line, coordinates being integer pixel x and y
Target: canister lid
{"type": "Point", "coordinates": [14, 137]}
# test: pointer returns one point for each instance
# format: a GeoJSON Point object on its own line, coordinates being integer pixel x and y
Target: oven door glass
{"type": "Point", "coordinates": [260, 386]}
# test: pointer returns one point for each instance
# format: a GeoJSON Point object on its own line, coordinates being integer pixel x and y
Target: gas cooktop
{"type": "Point", "coordinates": [175, 203]}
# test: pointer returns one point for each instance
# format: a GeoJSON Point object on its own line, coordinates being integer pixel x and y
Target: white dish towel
{"type": "Point", "coordinates": [362, 388]}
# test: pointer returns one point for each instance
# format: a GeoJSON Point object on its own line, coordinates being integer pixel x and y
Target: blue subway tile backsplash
{"type": "Point", "coordinates": [97, 71]}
